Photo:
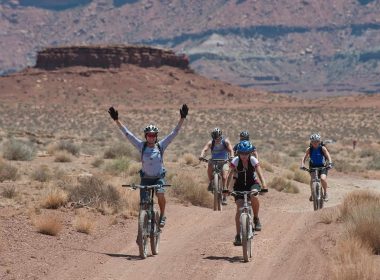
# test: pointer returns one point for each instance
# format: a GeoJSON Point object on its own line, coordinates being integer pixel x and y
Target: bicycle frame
{"type": "Point", "coordinates": [316, 186]}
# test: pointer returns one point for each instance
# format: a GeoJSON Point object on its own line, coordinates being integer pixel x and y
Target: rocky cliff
{"type": "Point", "coordinates": [108, 57]}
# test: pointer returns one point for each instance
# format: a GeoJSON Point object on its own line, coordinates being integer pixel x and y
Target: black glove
{"type": "Point", "coordinates": [113, 113]}
{"type": "Point", "coordinates": [184, 111]}
{"type": "Point", "coordinates": [331, 165]}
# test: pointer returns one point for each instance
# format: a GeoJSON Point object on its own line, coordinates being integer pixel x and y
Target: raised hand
{"type": "Point", "coordinates": [113, 113]}
{"type": "Point", "coordinates": [184, 111]}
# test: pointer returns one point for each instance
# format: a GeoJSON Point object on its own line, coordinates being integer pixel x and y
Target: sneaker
{"type": "Point", "coordinates": [224, 200]}
{"type": "Point", "coordinates": [162, 221]}
{"type": "Point", "coordinates": [237, 241]}
{"type": "Point", "coordinates": [311, 198]}
{"type": "Point", "coordinates": [257, 223]}
{"type": "Point", "coordinates": [326, 197]}
{"type": "Point", "coordinates": [209, 188]}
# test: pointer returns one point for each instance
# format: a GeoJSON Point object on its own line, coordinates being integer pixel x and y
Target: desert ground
{"type": "Point", "coordinates": [64, 214]}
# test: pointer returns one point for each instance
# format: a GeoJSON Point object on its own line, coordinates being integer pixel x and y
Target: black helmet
{"type": "Point", "coordinates": [244, 135]}
{"type": "Point", "coordinates": [216, 133]}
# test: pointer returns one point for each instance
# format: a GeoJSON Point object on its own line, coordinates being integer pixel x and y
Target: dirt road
{"type": "Point", "coordinates": [197, 244]}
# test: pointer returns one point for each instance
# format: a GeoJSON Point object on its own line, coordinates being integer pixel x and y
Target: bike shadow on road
{"type": "Point", "coordinates": [128, 257]}
{"type": "Point", "coordinates": [224, 258]}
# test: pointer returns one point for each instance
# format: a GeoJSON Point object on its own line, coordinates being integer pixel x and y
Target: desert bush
{"type": "Point", "coordinates": [187, 189]}
{"type": "Point", "coordinates": [190, 159]}
{"type": "Point", "coordinates": [282, 185]}
{"type": "Point", "coordinates": [289, 175]}
{"type": "Point", "coordinates": [54, 198]}
{"type": "Point", "coordinates": [121, 149]}
{"type": "Point", "coordinates": [47, 224]}
{"type": "Point", "coordinates": [67, 146]}
{"type": "Point", "coordinates": [118, 165]}
{"type": "Point", "coordinates": [374, 163]}
{"type": "Point", "coordinates": [93, 191]}
{"type": "Point", "coordinates": [84, 224]}
{"type": "Point", "coordinates": [266, 166]}
{"type": "Point", "coordinates": [345, 166]}
{"type": "Point", "coordinates": [301, 176]}
{"type": "Point", "coordinates": [19, 150]}
{"type": "Point", "coordinates": [367, 152]}
{"type": "Point", "coordinates": [9, 192]}
{"type": "Point", "coordinates": [7, 172]}
{"type": "Point", "coordinates": [42, 173]}
{"type": "Point", "coordinates": [294, 167]}
{"type": "Point", "coordinates": [329, 215]}
{"type": "Point", "coordinates": [134, 168]}
{"type": "Point", "coordinates": [97, 162]}
{"type": "Point", "coordinates": [62, 156]}
{"type": "Point", "coordinates": [274, 158]}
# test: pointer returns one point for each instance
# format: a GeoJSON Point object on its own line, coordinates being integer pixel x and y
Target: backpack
{"type": "Point", "coordinates": [158, 146]}
{"type": "Point", "coordinates": [213, 144]}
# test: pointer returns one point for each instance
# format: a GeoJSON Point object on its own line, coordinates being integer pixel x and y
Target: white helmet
{"type": "Point", "coordinates": [216, 133]}
{"type": "Point", "coordinates": [315, 137]}
{"type": "Point", "coordinates": [151, 128]}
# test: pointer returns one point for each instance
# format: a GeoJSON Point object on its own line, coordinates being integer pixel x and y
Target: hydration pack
{"type": "Point", "coordinates": [146, 145]}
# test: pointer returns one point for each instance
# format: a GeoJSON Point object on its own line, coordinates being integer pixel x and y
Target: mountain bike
{"type": "Point", "coordinates": [316, 186]}
{"type": "Point", "coordinates": [247, 229]}
{"type": "Point", "coordinates": [149, 220]}
{"type": "Point", "coordinates": [217, 182]}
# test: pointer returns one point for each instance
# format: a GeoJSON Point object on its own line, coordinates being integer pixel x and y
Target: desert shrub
{"type": "Point", "coordinates": [294, 167]}
{"type": "Point", "coordinates": [54, 198]}
{"type": "Point", "coordinates": [67, 146]}
{"type": "Point", "coordinates": [190, 159]}
{"type": "Point", "coordinates": [329, 215]}
{"type": "Point", "coordinates": [282, 185]}
{"type": "Point", "coordinates": [266, 166]}
{"type": "Point", "coordinates": [346, 166]}
{"type": "Point", "coordinates": [84, 224]}
{"type": "Point", "coordinates": [7, 172]}
{"type": "Point", "coordinates": [97, 162]}
{"type": "Point", "coordinates": [19, 150]}
{"type": "Point", "coordinates": [121, 149]}
{"type": "Point", "coordinates": [134, 168]}
{"type": "Point", "coordinates": [289, 175]}
{"type": "Point", "coordinates": [367, 152]}
{"type": "Point", "coordinates": [374, 163]}
{"type": "Point", "coordinates": [47, 224]}
{"type": "Point", "coordinates": [9, 192]}
{"type": "Point", "coordinates": [118, 165]}
{"type": "Point", "coordinates": [93, 191]}
{"type": "Point", "coordinates": [62, 156]}
{"type": "Point", "coordinates": [274, 158]}
{"type": "Point", "coordinates": [301, 176]}
{"type": "Point", "coordinates": [42, 173]}
{"type": "Point", "coordinates": [187, 189]}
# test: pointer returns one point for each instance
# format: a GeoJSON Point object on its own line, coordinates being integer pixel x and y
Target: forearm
{"type": "Point", "coordinates": [261, 178]}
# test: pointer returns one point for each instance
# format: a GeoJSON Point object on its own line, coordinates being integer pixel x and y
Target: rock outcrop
{"type": "Point", "coordinates": [108, 57]}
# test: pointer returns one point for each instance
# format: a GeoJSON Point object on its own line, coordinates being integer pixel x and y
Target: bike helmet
{"type": "Point", "coordinates": [244, 147]}
{"type": "Point", "coordinates": [151, 129]}
{"type": "Point", "coordinates": [244, 135]}
{"type": "Point", "coordinates": [216, 133]}
{"type": "Point", "coordinates": [315, 137]}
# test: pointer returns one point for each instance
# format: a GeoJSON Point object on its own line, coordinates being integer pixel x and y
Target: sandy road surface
{"type": "Point", "coordinates": [197, 244]}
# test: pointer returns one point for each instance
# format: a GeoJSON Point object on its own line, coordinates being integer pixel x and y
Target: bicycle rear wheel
{"type": "Point", "coordinates": [142, 237]}
{"type": "Point", "coordinates": [320, 197]}
{"type": "Point", "coordinates": [217, 194]}
{"type": "Point", "coordinates": [155, 233]}
{"type": "Point", "coordinates": [245, 240]}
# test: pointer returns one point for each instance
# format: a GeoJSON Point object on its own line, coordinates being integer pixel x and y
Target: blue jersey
{"type": "Point", "coordinates": [317, 157]}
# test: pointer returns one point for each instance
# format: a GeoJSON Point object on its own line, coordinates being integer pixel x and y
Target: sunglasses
{"type": "Point", "coordinates": [151, 135]}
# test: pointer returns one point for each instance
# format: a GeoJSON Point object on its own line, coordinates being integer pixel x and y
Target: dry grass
{"type": "Point", "coordinates": [18, 150]}
{"type": "Point", "coordinates": [9, 192]}
{"type": "Point", "coordinates": [282, 185]}
{"type": "Point", "coordinates": [353, 261]}
{"type": "Point", "coordinates": [329, 215]}
{"type": "Point", "coordinates": [47, 224]}
{"type": "Point", "coordinates": [187, 189]}
{"type": "Point", "coordinates": [134, 168]}
{"type": "Point", "coordinates": [120, 149]}
{"type": "Point", "coordinates": [97, 162]}
{"type": "Point", "coordinates": [118, 166]}
{"type": "Point", "coordinates": [84, 224]}
{"type": "Point", "coordinates": [67, 146]}
{"type": "Point", "coordinates": [54, 198]}
{"type": "Point", "coordinates": [302, 177]}
{"type": "Point", "coordinates": [190, 159]}
{"type": "Point", "coordinates": [266, 165]}
{"type": "Point", "coordinates": [7, 171]}
{"type": "Point", "coordinates": [42, 173]}
{"type": "Point", "coordinates": [62, 156]}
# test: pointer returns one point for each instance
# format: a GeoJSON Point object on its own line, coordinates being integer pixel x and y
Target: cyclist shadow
{"type": "Point", "coordinates": [229, 259]}
{"type": "Point", "coordinates": [128, 257]}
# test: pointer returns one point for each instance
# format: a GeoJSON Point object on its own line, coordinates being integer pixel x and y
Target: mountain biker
{"type": "Point", "coordinates": [244, 135]}
{"type": "Point", "coordinates": [244, 169]}
{"type": "Point", "coordinates": [220, 148]}
{"type": "Point", "coordinates": [318, 154]}
{"type": "Point", "coordinates": [151, 150]}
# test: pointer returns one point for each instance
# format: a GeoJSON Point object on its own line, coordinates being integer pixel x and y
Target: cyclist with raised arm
{"type": "Point", "coordinates": [318, 153]}
{"type": "Point", "coordinates": [244, 135]}
{"type": "Point", "coordinates": [151, 150]}
{"type": "Point", "coordinates": [221, 148]}
{"type": "Point", "coordinates": [243, 175]}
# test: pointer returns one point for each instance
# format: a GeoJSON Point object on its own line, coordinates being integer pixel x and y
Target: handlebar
{"type": "Point", "coordinates": [254, 192]}
{"type": "Point", "coordinates": [134, 186]}
{"type": "Point", "coordinates": [315, 168]}
{"type": "Point", "coordinates": [215, 160]}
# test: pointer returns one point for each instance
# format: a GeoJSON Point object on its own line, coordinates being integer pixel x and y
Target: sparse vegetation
{"type": "Point", "coordinates": [67, 146]}
{"type": "Point", "coordinates": [84, 224]}
{"type": "Point", "coordinates": [187, 189]}
{"type": "Point", "coordinates": [282, 185]}
{"type": "Point", "coordinates": [302, 177]}
{"type": "Point", "coordinates": [134, 168]}
{"type": "Point", "coordinates": [118, 165]}
{"type": "Point", "coordinates": [18, 150]}
{"type": "Point", "coordinates": [264, 164]}
{"type": "Point", "coordinates": [97, 162]}
{"type": "Point", "coordinates": [190, 159]}
{"type": "Point", "coordinates": [62, 156]}
{"type": "Point", "coordinates": [54, 198]}
{"type": "Point", "coordinates": [9, 192]}
{"type": "Point", "coordinates": [47, 224]}
{"type": "Point", "coordinates": [42, 173]}
{"type": "Point", "coordinates": [120, 149]}
{"type": "Point", "coordinates": [7, 172]}
{"type": "Point", "coordinates": [374, 164]}
{"type": "Point", "coordinates": [329, 215]}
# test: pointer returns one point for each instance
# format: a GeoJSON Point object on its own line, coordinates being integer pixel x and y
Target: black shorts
{"type": "Point", "coordinates": [254, 186]}
{"type": "Point", "coordinates": [320, 172]}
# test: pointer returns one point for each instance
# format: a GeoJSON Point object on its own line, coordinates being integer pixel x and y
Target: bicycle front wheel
{"type": "Point", "coordinates": [245, 238]}
{"type": "Point", "coordinates": [155, 233]}
{"type": "Point", "coordinates": [217, 193]}
{"type": "Point", "coordinates": [314, 194]}
{"type": "Point", "coordinates": [142, 237]}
